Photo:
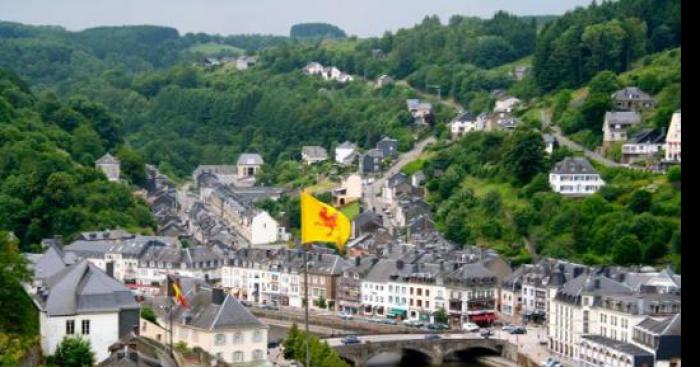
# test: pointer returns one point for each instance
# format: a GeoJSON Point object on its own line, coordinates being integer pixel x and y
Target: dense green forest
{"type": "Point", "coordinates": [48, 184]}
{"type": "Point", "coordinates": [316, 30]}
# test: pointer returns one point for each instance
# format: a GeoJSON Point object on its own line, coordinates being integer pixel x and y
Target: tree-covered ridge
{"type": "Point", "coordinates": [48, 185]}
{"type": "Point", "coordinates": [492, 190]}
{"type": "Point", "coordinates": [316, 30]}
{"type": "Point", "coordinates": [610, 36]}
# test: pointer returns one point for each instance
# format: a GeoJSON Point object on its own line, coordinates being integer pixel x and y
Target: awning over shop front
{"type": "Point", "coordinates": [487, 317]}
{"type": "Point", "coordinates": [397, 312]}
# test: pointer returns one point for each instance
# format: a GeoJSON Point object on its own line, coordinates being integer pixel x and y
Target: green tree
{"type": "Point", "coordinates": [321, 302]}
{"type": "Point", "coordinates": [626, 251]}
{"type": "Point", "coordinates": [640, 201]}
{"type": "Point", "coordinates": [147, 313]}
{"type": "Point", "coordinates": [605, 82]}
{"type": "Point", "coordinates": [674, 174]}
{"type": "Point", "coordinates": [441, 316]}
{"type": "Point", "coordinates": [74, 352]}
{"type": "Point", "coordinates": [524, 155]}
{"type": "Point", "coordinates": [132, 165]}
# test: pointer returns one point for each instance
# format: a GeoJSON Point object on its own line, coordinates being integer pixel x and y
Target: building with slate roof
{"type": "Point", "coordinates": [661, 337]}
{"type": "Point", "coordinates": [632, 99]}
{"type": "Point", "coordinates": [249, 164]}
{"type": "Point", "coordinates": [371, 161]}
{"type": "Point", "coordinates": [575, 176]}
{"type": "Point", "coordinates": [216, 322]}
{"type": "Point", "coordinates": [82, 300]}
{"type": "Point", "coordinates": [110, 166]}
{"type": "Point", "coordinates": [345, 153]}
{"type": "Point", "coordinates": [311, 154]}
{"type": "Point", "coordinates": [466, 122]}
{"type": "Point", "coordinates": [389, 147]}
{"type": "Point", "coordinates": [616, 124]}
{"type": "Point", "coordinates": [644, 145]}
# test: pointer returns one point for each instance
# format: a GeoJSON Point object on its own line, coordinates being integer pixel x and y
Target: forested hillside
{"type": "Point", "coordinates": [48, 184]}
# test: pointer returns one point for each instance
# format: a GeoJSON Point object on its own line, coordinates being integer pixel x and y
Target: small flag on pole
{"type": "Point", "coordinates": [322, 223]}
{"type": "Point", "coordinates": [177, 292]}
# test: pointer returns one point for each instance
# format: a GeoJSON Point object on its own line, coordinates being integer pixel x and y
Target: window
{"type": "Point", "coordinates": [70, 327]}
{"type": "Point", "coordinates": [257, 336]}
{"type": "Point", "coordinates": [238, 356]}
{"type": "Point", "coordinates": [85, 327]}
{"type": "Point", "coordinates": [219, 339]}
{"type": "Point", "coordinates": [257, 355]}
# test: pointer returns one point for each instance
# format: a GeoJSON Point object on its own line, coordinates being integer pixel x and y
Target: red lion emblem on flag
{"type": "Point", "coordinates": [328, 221]}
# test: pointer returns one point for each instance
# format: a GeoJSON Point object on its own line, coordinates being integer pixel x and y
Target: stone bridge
{"type": "Point", "coordinates": [435, 351]}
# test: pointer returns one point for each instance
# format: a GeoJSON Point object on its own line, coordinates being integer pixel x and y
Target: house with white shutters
{"type": "Point", "coordinates": [575, 176]}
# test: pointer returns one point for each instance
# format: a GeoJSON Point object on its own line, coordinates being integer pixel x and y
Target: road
{"type": "Point", "coordinates": [371, 200]}
{"type": "Point", "coordinates": [335, 342]}
{"type": "Point", "coordinates": [564, 141]}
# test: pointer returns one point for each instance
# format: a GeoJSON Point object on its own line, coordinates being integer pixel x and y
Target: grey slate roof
{"type": "Point", "coordinates": [623, 347]}
{"type": "Point", "coordinates": [314, 152]}
{"type": "Point", "coordinates": [107, 159]}
{"type": "Point", "coordinates": [82, 288]}
{"type": "Point", "coordinates": [667, 326]}
{"type": "Point", "coordinates": [648, 136]}
{"type": "Point", "coordinates": [250, 159]}
{"type": "Point", "coordinates": [631, 94]}
{"type": "Point", "coordinates": [573, 165]}
{"type": "Point", "coordinates": [465, 116]}
{"type": "Point", "coordinates": [397, 179]}
{"type": "Point", "coordinates": [49, 263]}
{"type": "Point", "coordinates": [622, 117]}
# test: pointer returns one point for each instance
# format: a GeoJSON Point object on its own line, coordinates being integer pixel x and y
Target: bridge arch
{"type": "Point", "coordinates": [496, 349]}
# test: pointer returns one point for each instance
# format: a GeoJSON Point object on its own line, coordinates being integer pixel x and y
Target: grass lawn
{"type": "Point", "coordinates": [481, 187]}
{"type": "Point", "coordinates": [351, 210]}
{"type": "Point", "coordinates": [322, 186]}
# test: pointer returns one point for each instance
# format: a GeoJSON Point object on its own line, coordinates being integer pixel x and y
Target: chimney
{"type": "Point", "coordinates": [399, 264]}
{"type": "Point", "coordinates": [217, 296]}
{"type": "Point", "coordinates": [577, 271]}
{"type": "Point", "coordinates": [357, 260]}
{"type": "Point", "coordinates": [621, 277]}
{"type": "Point", "coordinates": [596, 284]}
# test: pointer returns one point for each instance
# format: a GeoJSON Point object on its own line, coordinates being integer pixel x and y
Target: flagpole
{"type": "Point", "coordinates": [306, 308]}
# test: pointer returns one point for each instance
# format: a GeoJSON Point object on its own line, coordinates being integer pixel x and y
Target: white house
{"type": "Point", "coordinates": [345, 153]}
{"type": "Point", "coordinates": [575, 176]}
{"type": "Point", "coordinates": [83, 301]}
{"type": "Point", "coordinates": [673, 139]}
{"type": "Point", "coordinates": [350, 190]}
{"type": "Point", "coordinates": [464, 123]}
{"type": "Point", "coordinates": [110, 166]}
{"type": "Point", "coordinates": [244, 62]}
{"type": "Point", "coordinates": [249, 164]}
{"type": "Point", "coordinates": [313, 154]}
{"type": "Point", "coordinates": [507, 104]}
{"type": "Point", "coordinates": [645, 144]}
{"type": "Point", "coordinates": [313, 68]}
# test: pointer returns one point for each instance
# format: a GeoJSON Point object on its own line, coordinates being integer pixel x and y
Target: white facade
{"type": "Point", "coordinates": [673, 139]}
{"type": "Point", "coordinates": [506, 105]}
{"type": "Point", "coordinates": [264, 229]}
{"type": "Point", "coordinates": [458, 128]}
{"type": "Point", "coordinates": [344, 154]}
{"type": "Point", "coordinates": [575, 184]}
{"type": "Point", "coordinates": [100, 329]}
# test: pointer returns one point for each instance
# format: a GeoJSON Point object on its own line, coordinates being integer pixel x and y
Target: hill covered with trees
{"type": "Point", "coordinates": [316, 30]}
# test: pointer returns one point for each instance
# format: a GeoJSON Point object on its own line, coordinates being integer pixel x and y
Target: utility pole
{"type": "Point", "coordinates": [306, 305]}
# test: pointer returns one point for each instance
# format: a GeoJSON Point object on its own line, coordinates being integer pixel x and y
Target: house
{"type": "Point", "coordinates": [82, 300]}
{"type": "Point", "coordinates": [371, 161]}
{"type": "Point", "coordinates": [366, 222]}
{"type": "Point", "coordinates": [464, 123]}
{"type": "Point", "coordinates": [389, 147]}
{"type": "Point", "coordinates": [349, 293]}
{"type": "Point", "coordinates": [673, 139]}
{"type": "Point", "coordinates": [331, 73]}
{"type": "Point", "coordinates": [409, 207]}
{"type": "Point", "coordinates": [395, 185]}
{"type": "Point", "coordinates": [344, 78]}
{"type": "Point", "coordinates": [313, 154]}
{"type": "Point", "coordinates": [506, 104]}
{"type": "Point", "coordinates": [660, 337]}
{"type": "Point", "coordinates": [616, 124]}
{"type": "Point", "coordinates": [418, 179]}
{"type": "Point", "coordinates": [313, 68]}
{"type": "Point", "coordinates": [384, 80]}
{"type": "Point", "coordinates": [575, 176]}
{"type": "Point", "coordinates": [225, 173]}
{"type": "Point", "coordinates": [500, 121]}
{"type": "Point", "coordinates": [249, 164]}
{"type": "Point", "coordinates": [643, 145]}
{"type": "Point", "coordinates": [215, 322]}
{"type": "Point", "coordinates": [422, 112]}
{"type": "Point", "coordinates": [632, 99]}
{"type": "Point", "coordinates": [345, 153]}
{"type": "Point", "coordinates": [244, 62]}
{"type": "Point", "coordinates": [110, 166]}
{"type": "Point", "coordinates": [520, 72]}
{"type": "Point", "coordinates": [550, 143]}
{"type": "Point", "coordinates": [350, 190]}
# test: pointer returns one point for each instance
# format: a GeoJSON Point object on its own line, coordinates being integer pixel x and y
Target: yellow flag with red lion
{"type": "Point", "coordinates": [323, 223]}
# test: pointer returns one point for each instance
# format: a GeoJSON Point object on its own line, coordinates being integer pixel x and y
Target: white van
{"type": "Point", "coordinates": [470, 327]}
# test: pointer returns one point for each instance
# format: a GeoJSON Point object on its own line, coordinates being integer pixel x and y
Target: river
{"type": "Point", "coordinates": [277, 333]}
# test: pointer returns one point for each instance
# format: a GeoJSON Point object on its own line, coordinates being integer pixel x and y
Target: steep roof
{"type": "Point", "coordinates": [107, 159]}
{"type": "Point", "coordinates": [346, 145]}
{"type": "Point", "coordinates": [622, 117]}
{"type": "Point", "coordinates": [314, 151]}
{"type": "Point", "coordinates": [667, 326]}
{"type": "Point", "coordinates": [632, 94]}
{"type": "Point", "coordinates": [83, 287]}
{"type": "Point", "coordinates": [250, 159]}
{"type": "Point", "coordinates": [573, 165]}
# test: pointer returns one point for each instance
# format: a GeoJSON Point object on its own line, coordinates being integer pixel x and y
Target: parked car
{"type": "Point", "coordinates": [433, 337]}
{"type": "Point", "coordinates": [350, 339]}
{"type": "Point", "coordinates": [518, 330]}
{"type": "Point", "coordinates": [271, 307]}
{"type": "Point", "coordinates": [246, 304]}
{"type": "Point", "coordinates": [345, 316]}
{"type": "Point", "coordinates": [486, 333]}
{"type": "Point", "coordinates": [391, 322]}
{"type": "Point", "coordinates": [470, 327]}
{"type": "Point", "coordinates": [413, 323]}
{"type": "Point", "coordinates": [508, 327]}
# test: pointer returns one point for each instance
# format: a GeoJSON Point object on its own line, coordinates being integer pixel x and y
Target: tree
{"type": "Point", "coordinates": [674, 174]}
{"type": "Point", "coordinates": [524, 155]}
{"type": "Point", "coordinates": [640, 201]}
{"type": "Point", "coordinates": [321, 302]}
{"type": "Point", "coordinates": [604, 82]}
{"type": "Point", "coordinates": [74, 352]}
{"type": "Point", "coordinates": [626, 251]}
{"type": "Point", "coordinates": [440, 316]}
{"type": "Point", "coordinates": [132, 165]}
{"type": "Point", "coordinates": [147, 313]}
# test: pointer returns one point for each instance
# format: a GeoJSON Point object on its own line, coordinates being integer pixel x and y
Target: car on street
{"type": "Point", "coordinates": [246, 303]}
{"type": "Point", "coordinates": [433, 337]}
{"type": "Point", "coordinates": [391, 322]}
{"type": "Point", "coordinates": [413, 323]}
{"type": "Point", "coordinates": [486, 333]}
{"type": "Point", "coordinates": [345, 316]}
{"type": "Point", "coordinates": [270, 307]}
{"type": "Point", "coordinates": [350, 339]}
{"type": "Point", "coordinates": [518, 330]}
{"type": "Point", "coordinates": [508, 327]}
{"type": "Point", "coordinates": [470, 327]}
